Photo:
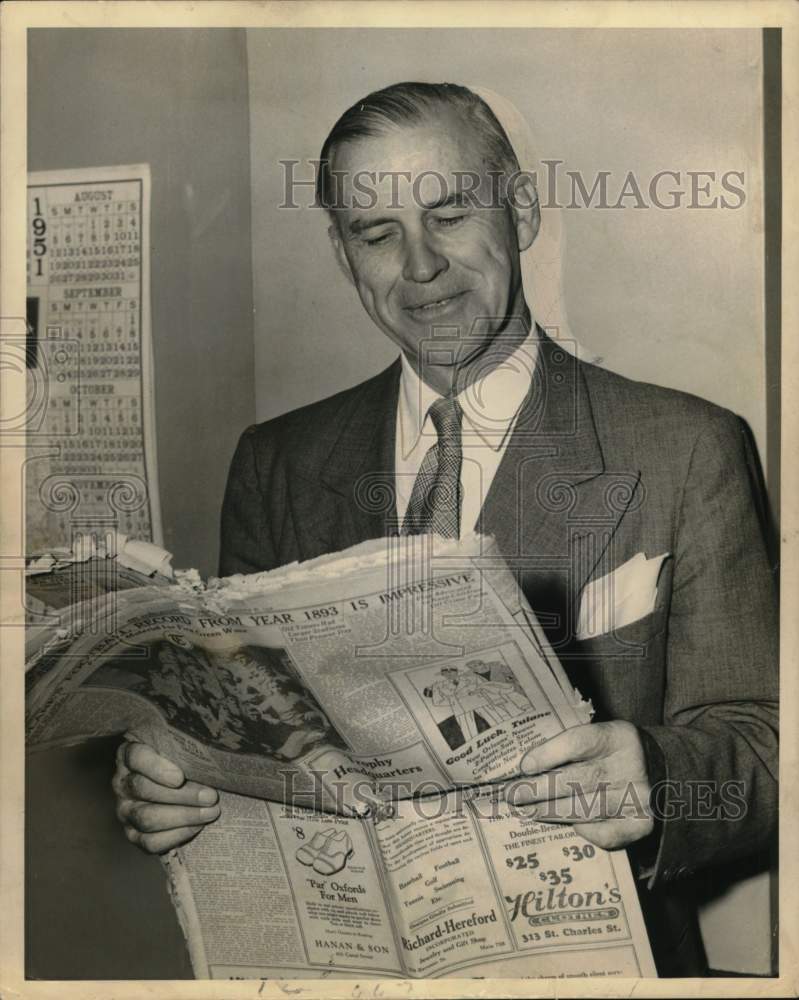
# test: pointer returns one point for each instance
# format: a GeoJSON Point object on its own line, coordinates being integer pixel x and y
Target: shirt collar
{"type": "Point", "coordinates": [490, 404]}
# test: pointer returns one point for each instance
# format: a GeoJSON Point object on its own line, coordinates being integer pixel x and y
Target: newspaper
{"type": "Point", "coordinates": [361, 712]}
{"type": "Point", "coordinates": [461, 886]}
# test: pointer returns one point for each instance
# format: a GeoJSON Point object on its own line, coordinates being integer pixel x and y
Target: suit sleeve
{"type": "Point", "coordinates": [246, 544]}
{"type": "Point", "coordinates": [716, 752]}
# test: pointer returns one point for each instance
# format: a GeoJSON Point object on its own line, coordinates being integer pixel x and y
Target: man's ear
{"type": "Point", "coordinates": [526, 211]}
{"type": "Point", "coordinates": [338, 250]}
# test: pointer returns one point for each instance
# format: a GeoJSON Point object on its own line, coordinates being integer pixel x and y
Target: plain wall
{"type": "Point", "coordinates": [667, 296]}
{"type": "Point", "coordinates": [177, 100]}
{"type": "Point", "coordinates": [673, 297]}
{"type": "Point", "coordinates": [96, 907]}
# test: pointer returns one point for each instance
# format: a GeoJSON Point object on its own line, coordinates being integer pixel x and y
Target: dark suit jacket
{"type": "Point", "coordinates": [598, 468]}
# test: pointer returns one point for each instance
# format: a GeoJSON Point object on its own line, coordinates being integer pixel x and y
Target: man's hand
{"type": "Point", "coordinates": [157, 807]}
{"type": "Point", "coordinates": [593, 777]}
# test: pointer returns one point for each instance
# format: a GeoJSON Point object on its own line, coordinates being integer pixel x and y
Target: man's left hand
{"type": "Point", "coordinates": [593, 777]}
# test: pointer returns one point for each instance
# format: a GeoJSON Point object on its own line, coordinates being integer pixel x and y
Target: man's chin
{"type": "Point", "coordinates": [446, 361]}
{"type": "Point", "coordinates": [453, 334]}
{"type": "Point", "coordinates": [445, 347]}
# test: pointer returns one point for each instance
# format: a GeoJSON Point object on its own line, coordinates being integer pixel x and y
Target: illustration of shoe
{"type": "Point", "coordinates": [333, 856]}
{"type": "Point", "coordinates": [306, 854]}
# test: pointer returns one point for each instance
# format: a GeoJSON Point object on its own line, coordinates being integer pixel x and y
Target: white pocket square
{"type": "Point", "coordinates": [621, 597]}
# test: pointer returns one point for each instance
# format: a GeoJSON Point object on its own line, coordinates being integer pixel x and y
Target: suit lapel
{"type": "Point", "coordinates": [554, 507]}
{"type": "Point", "coordinates": [349, 496]}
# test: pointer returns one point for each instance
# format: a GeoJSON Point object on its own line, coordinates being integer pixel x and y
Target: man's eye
{"type": "Point", "coordinates": [448, 221]}
{"type": "Point", "coordinates": [374, 241]}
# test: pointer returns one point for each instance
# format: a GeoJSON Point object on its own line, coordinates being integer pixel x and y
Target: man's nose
{"type": "Point", "coordinates": [422, 263]}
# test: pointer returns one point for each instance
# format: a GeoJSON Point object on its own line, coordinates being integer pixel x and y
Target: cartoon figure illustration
{"type": "Point", "coordinates": [327, 852]}
{"type": "Point", "coordinates": [502, 693]}
{"type": "Point", "coordinates": [462, 724]}
{"type": "Point", "coordinates": [480, 696]}
{"type": "Point", "coordinates": [496, 670]}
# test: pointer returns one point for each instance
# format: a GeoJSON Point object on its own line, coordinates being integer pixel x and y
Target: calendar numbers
{"type": "Point", "coordinates": [85, 265]}
{"type": "Point", "coordinates": [39, 228]}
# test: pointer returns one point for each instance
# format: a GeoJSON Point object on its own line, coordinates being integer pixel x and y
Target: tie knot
{"type": "Point", "coordinates": [446, 415]}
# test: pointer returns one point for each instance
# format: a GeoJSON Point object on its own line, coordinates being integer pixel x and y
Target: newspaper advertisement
{"type": "Point", "coordinates": [88, 358]}
{"type": "Point", "coordinates": [458, 884]}
{"type": "Point", "coordinates": [362, 711]}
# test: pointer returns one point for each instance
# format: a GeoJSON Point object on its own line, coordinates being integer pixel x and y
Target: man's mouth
{"type": "Point", "coordinates": [434, 306]}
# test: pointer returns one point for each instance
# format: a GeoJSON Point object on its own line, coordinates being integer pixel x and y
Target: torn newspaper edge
{"type": "Point", "coordinates": [133, 553]}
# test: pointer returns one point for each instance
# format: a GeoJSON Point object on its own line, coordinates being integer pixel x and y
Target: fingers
{"type": "Point", "coordinates": [142, 758]}
{"type": "Point", "coordinates": [581, 803]}
{"type": "Point", "coordinates": [150, 817]}
{"type": "Point", "coordinates": [167, 840]}
{"type": "Point", "coordinates": [573, 809]}
{"type": "Point", "coordinates": [618, 740]}
{"type": "Point", "coordinates": [576, 780]}
{"type": "Point", "coordinates": [592, 777]}
{"type": "Point", "coordinates": [157, 807]}
{"type": "Point", "coordinates": [133, 785]}
{"type": "Point", "coordinates": [578, 743]}
{"type": "Point", "coordinates": [614, 833]}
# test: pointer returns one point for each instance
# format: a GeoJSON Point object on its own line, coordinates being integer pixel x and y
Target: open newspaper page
{"type": "Point", "coordinates": [404, 668]}
{"type": "Point", "coordinates": [480, 888]}
{"type": "Point", "coordinates": [453, 885]}
{"type": "Point", "coordinates": [387, 666]}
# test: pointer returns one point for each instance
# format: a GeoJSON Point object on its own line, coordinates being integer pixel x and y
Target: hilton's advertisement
{"type": "Point", "coordinates": [459, 888]}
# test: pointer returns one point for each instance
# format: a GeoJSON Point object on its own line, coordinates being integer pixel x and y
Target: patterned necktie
{"type": "Point", "coordinates": [435, 504]}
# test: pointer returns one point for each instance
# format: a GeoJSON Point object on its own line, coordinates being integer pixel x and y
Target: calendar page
{"type": "Point", "coordinates": [91, 459]}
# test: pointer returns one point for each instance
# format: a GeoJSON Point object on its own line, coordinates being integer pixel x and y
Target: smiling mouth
{"type": "Point", "coordinates": [431, 307]}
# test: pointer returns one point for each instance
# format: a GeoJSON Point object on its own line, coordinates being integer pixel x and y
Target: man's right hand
{"type": "Point", "coordinates": [157, 807]}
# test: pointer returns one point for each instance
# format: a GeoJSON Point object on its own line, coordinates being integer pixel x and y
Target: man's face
{"type": "Point", "coordinates": [422, 258]}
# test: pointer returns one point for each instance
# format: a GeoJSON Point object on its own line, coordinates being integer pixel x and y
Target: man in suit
{"type": "Point", "coordinates": [465, 722]}
{"type": "Point", "coordinates": [484, 422]}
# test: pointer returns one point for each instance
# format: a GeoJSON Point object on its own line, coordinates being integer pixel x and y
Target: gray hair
{"type": "Point", "coordinates": [409, 104]}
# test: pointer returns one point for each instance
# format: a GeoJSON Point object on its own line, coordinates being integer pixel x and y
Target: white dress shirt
{"type": "Point", "coordinates": [490, 407]}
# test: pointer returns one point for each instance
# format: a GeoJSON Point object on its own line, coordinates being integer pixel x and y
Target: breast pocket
{"type": "Point", "coordinates": [631, 641]}
{"type": "Point", "coordinates": [623, 671]}
{"type": "Point", "coordinates": [635, 638]}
